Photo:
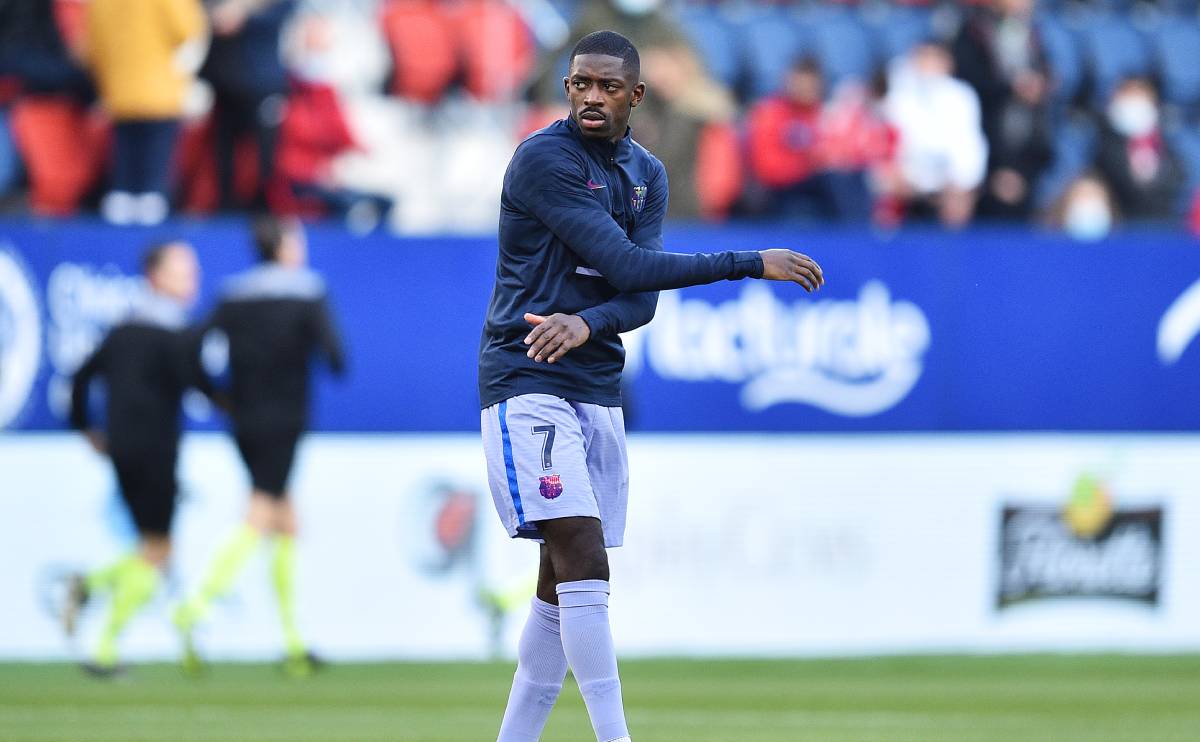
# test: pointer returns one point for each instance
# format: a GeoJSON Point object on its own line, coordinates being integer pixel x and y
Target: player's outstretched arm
{"type": "Point", "coordinates": [549, 182]}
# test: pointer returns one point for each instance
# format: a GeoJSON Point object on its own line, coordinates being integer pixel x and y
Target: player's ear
{"type": "Point", "coordinates": [567, 86]}
{"type": "Point", "coordinates": [639, 92]}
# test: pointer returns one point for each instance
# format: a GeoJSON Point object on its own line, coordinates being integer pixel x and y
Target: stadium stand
{"type": "Point", "coordinates": [487, 72]}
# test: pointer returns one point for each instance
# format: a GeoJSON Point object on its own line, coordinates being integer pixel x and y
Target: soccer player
{"type": "Point", "coordinates": [276, 318]}
{"type": "Point", "coordinates": [146, 362]}
{"type": "Point", "coordinates": [580, 259]}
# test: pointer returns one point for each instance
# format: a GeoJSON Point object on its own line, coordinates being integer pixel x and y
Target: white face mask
{"type": "Point", "coordinates": [1088, 219]}
{"type": "Point", "coordinates": [1133, 115]}
{"type": "Point", "coordinates": [637, 7]}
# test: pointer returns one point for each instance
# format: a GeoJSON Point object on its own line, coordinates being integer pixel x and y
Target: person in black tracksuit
{"type": "Point", "coordinates": [276, 319]}
{"type": "Point", "coordinates": [147, 363]}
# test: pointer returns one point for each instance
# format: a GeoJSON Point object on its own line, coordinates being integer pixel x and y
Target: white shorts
{"type": "Point", "coordinates": [549, 458]}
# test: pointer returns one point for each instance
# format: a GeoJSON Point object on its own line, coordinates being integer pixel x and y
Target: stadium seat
{"type": "Point", "coordinates": [64, 148]}
{"type": "Point", "coordinates": [568, 9]}
{"type": "Point", "coordinates": [1114, 50]}
{"type": "Point", "coordinates": [1185, 141]}
{"type": "Point", "coordinates": [10, 164]}
{"type": "Point", "coordinates": [421, 39]}
{"type": "Point", "coordinates": [1180, 7]}
{"type": "Point", "coordinates": [1074, 147]}
{"type": "Point", "coordinates": [1063, 56]}
{"type": "Point", "coordinates": [1113, 6]}
{"type": "Point", "coordinates": [1177, 56]}
{"type": "Point", "coordinates": [715, 38]}
{"type": "Point", "coordinates": [771, 41]}
{"type": "Point", "coordinates": [896, 28]}
{"type": "Point", "coordinates": [841, 42]}
{"type": "Point", "coordinates": [719, 170]}
{"type": "Point", "coordinates": [495, 46]}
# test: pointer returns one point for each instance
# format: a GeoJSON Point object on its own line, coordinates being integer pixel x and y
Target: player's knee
{"type": "Point", "coordinates": [585, 566]}
{"type": "Point", "coordinates": [576, 549]}
{"type": "Point", "coordinates": [285, 517]}
{"type": "Point", "coordinates": [261, 514]}
{"type": "Point", "coordinates": [156, 549]}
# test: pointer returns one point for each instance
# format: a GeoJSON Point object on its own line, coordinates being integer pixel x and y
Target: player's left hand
{"type": "Point", "coordinates": [552, 337]}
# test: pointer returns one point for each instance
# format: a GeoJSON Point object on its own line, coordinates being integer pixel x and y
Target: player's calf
{"type": "Point", "coordinates": [576, 548]}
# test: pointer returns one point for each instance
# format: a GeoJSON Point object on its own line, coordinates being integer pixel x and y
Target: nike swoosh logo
{"type": "Point", "coordinates": [595, 186]}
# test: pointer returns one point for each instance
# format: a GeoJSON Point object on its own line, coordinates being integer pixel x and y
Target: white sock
{"type": "Point", "coordinates": [541, 667]}
{"type": "Point", "coordinates": [587, 643]}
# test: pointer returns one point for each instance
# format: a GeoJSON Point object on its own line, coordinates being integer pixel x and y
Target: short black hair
{"type": "Point", "coordinates": [1147, 81]}
{"type": "Point", "coordinates": [154, 254]}
{"type": "Point", "coordinates": [612, 44]}
{"type": "Point", "coordinates": [808, 64]}
{"type": "Point", "coordinates": [268, 236]}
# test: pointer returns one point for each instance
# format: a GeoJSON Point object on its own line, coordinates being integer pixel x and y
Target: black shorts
{"type": "Point", "coordinates": [148, 487]}
{"type": "Point", "coordinates": [268, 455]}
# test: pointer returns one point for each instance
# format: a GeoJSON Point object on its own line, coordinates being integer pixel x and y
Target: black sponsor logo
{"type": "Point", "coordinates": [1086, 549]}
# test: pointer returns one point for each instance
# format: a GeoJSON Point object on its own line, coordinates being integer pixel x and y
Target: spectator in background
{"type": "Point", "coordinates": [46, 104]}
{"type": "Point", "coordinates": [143, 54]}
{"type": "Point", "coordinates": [250, 86]}
{"type": "Point", "coordinates": [349, 149]}
{"type": "Point", "coordinates": [998, 53]}
{"type": "Point", "coordinates": [858, 146]}
{"type": "Point", "coordinates": [810, 156]}
{"type": "Point", "coordinates": [644, 22]}
{"type": "Point", "coordinates": [784, 137]}
{"type": "Point", "coordinates": [687, 123]}
{"type": "Point", "coordinates": [1086, 211]}
{"type": "Point", "coordinates": [329, 69]}
{"type": "Point", "coordinates": [677, 123]}
{"type": "Point", "coordinates": [942, 151]}
{"type": "Point", "coordinates": [1145, 175]}
{"type": "Point", "coordinates": [33, 52]}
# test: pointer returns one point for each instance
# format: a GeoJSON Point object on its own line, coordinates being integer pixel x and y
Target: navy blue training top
{"type": "Point", "coordinates": [581, 233]}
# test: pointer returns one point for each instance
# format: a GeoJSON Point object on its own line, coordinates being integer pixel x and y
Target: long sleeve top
{"type": "Point", "coordinates": [581, 233]}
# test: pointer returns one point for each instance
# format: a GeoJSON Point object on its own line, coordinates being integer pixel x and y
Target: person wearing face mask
{"type": "Point", "coordinates": [1086, 211]}
{"type": "Point", "coordinates": [1133, 156]}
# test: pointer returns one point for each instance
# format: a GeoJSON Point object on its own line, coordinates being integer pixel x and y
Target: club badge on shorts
{"type": "Point", "coordinates": [551, 486]}
{"type": "Point", "coordinates": [639, 197]}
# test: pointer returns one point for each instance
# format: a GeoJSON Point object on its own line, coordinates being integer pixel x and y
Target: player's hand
{"type": "Point", "coordinates": [553, 336]}
{"type": "Point", "coordinates": [97, 440]}
{"type": "Point", "coordinates": [786, 265]}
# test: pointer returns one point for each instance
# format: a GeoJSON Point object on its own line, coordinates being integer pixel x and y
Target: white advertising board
{"type": "Point", "coordinates": [738, 545]}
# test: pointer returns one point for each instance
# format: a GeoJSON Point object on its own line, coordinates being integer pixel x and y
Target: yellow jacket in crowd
{"type": "Point", "coordinates": [133, 49]}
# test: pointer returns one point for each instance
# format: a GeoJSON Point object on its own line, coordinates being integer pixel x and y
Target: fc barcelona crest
{"type": "Point", "coordinates": [639, 197]}
{"type": "Point", "coordinates": [550, 486]}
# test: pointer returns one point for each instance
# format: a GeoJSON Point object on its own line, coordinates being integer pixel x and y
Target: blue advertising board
{"type": "Point", "coordinates": [917, 331]}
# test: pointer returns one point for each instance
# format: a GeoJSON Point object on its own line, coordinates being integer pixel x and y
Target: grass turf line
{"type": "Point", "coordinates": [1102, 698]}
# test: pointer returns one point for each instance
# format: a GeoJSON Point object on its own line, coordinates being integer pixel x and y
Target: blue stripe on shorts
{"type": "Point", "coordinates": [509, 466]}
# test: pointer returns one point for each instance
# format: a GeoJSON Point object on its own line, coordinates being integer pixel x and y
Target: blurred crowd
{"type": "Point", "coordinates": [1079, 115]}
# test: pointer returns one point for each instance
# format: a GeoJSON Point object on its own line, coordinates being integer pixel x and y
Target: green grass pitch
{"type": "Point", "coordinates": [913, 699]}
